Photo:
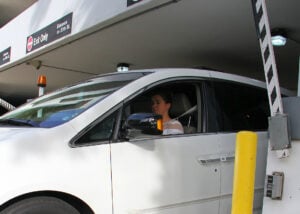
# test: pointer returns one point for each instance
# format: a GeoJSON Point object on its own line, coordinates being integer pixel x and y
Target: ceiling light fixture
{"type": "Point", "coordinates": [122, 67]}
{"type": "Point", "coordinates": [278, 37]}
{"type": "Point", "coordinates": [35, 63]}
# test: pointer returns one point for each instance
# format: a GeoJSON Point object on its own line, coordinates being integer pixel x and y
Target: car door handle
{"type": "Point", "coordinates": [209, 159]}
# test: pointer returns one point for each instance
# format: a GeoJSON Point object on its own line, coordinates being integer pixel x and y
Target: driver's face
{"type": "Point", "coordinates": [159, 106]}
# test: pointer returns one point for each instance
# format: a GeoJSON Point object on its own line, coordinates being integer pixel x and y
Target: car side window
{"type": "Point", "coordinates": [241, 107]}
{"type": "Point", "coordinates": [99, 132]}
{"type": "Point", "coordinates": [184, 106]}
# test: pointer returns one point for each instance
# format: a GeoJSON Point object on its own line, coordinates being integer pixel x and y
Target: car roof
{"type": "Point", "coordinates": [208, 74]}
{"type": "Point", "coordinates": [217, 75]}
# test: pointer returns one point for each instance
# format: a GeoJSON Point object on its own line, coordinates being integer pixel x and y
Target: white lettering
{"type": "Point", "coordinates": [44, 37]}
{"type": "Point", "coordinates": [6, 57]}
{"type": "Point", "coordinates": [36, 41]}
{"type": "Point", "coordinates": [59, 25]}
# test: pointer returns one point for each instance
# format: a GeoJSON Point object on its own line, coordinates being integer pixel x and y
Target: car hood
{"type": "Point", "coordinates": [34, 134]}
{"type": "Point", "coordinates": [13, 132]}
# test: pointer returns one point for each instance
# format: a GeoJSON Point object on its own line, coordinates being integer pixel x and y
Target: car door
{"type": "Point", "coordinates": [172, 174]}
{"type": "Point", "coordinates": [239, 107]}
{"type": "Point", "coordinates": [175, 174]}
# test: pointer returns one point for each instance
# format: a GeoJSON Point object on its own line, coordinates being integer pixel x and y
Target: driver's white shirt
{"type": "Point", "coordinates": [172, 127]}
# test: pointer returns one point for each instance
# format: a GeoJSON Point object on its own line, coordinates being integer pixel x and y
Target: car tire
{"type": "Point", "coordinates": [40, 205]}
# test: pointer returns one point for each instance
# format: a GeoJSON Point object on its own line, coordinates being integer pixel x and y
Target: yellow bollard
{"type": "Point", "coordinates": [244, 173]}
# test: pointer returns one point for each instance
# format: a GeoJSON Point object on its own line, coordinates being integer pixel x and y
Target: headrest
{"type": "Point", "coordinates": [180, 104]}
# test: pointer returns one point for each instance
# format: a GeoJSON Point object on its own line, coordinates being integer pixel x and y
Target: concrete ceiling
{"type": "Point", "coordinates": [189, 33]}
{"type": "Point", "coordinates": [11, 8]}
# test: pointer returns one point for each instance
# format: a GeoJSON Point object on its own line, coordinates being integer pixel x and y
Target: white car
{"type": "Point", "coordinates": [73, 150]}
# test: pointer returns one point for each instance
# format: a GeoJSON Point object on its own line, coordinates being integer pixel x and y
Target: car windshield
{"type": "Point", "coordinates": [65, 104]}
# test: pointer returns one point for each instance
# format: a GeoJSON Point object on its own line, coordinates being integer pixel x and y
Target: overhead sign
{"type": "Point", "coordinates": [5, 56]}
{"type": "Point", "coordinates": [131, 2]}
{"type": "Point", "coordinates": [52, 32]}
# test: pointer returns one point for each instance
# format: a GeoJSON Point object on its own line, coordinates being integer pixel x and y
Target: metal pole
{"type": "Point", "coordinates": [244, 173]}
{"type": "Point", "coordinates": [298, 94]}
{"type": "Point", "coordinates": [41, 91]}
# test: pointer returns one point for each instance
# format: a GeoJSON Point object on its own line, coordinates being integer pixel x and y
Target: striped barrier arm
{"type": "Point", "coordinates": [270, 70]}
{"type": "Point", "coordinates": [6, 105]}
{"type": "Point", "coordinates": [267, 52]}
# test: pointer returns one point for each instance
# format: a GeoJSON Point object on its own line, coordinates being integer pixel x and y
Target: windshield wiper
{"type": "Point", "coordinates": [17, 122]}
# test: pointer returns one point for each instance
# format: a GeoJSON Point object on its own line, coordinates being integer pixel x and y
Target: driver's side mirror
{"type": "Point", "coordinates": [148, 123]}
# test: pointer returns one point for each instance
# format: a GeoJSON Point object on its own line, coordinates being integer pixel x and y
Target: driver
{"type": "Point", "coordinates": [161, 104]}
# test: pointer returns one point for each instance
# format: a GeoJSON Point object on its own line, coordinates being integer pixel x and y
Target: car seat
{"type": "Point", "coordinates": [182, 110]}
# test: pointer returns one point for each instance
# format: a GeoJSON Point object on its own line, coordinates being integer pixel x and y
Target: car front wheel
{"type": "Point", "coordinates": [40, 205]}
